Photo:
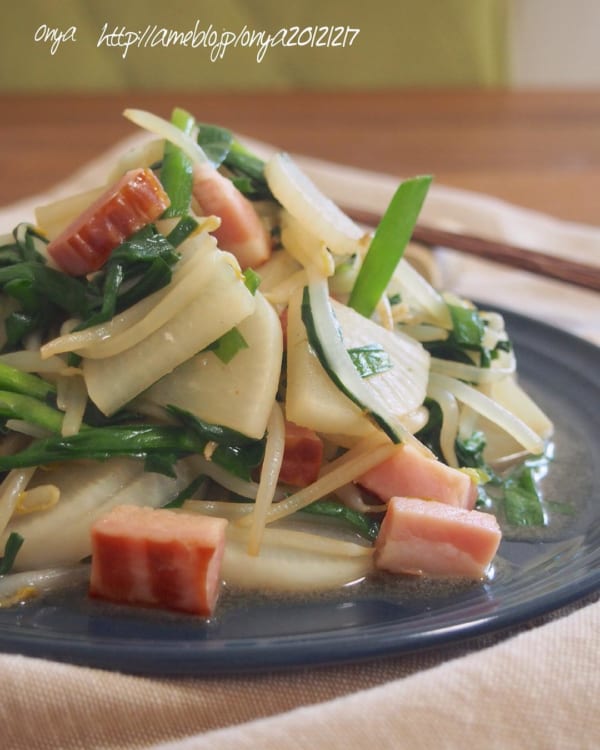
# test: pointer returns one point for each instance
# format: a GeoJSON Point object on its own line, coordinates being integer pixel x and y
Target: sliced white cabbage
{"type": "Point", "coordinates": [314, 401]}
{"type": "Point", "coordinates": [239, 394]}
{"type": "Point", "coordinates": [303, 199]}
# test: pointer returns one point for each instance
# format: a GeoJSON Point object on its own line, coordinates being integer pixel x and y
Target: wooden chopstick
{"type": "Point", "coordinates": [543, 264]}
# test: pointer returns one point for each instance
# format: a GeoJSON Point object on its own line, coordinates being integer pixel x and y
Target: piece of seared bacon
{"type": "Point", "coordinates": [137, 199]}
{"type": "Point", "coordinates": [158, 558]}
{"type": "Point", "coordinates": [302, 456]}
{"type": "Point", "coordinates": [431, 538]}
{"type": "Point", "coordinates": [241, 233]}
{"type": "Point", "coordinates": [410, 474]}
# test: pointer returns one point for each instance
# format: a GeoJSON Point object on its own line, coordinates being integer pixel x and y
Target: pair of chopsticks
{"type": "Point", "coordinates": [543, 264]}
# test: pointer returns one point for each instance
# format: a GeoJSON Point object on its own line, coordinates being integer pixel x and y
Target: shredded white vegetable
{"type": "Point", "coordinates": [414, 287]}
{"type": "Point", "coordinates": [492, 410]}
{"type": "Point", "coordinates": [301, 197]}
{"type": "Point", "coordinates": [169, 132]}
{"type": "Point", "coordinates": [364, 456]}
{"type": "Point", "coordinates": [269, 477]}
{"type": "Point", "coordinates": [72, 399]}
{"type": "Point", "coordinates": [505, 365]}
{"type": "Point", "coordinates": [12, 486]}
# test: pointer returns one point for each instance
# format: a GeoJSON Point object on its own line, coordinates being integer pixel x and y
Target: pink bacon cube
{"type": "Point", "coordinates": [158, 558]}
{"type": "Point", "coordinates": [432, 538]}
{"type": "Point", "coordinates": [410, 474]}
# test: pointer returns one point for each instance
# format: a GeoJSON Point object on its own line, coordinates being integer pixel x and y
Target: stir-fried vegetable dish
{"type": "Point", "coordinates": [209, 373]}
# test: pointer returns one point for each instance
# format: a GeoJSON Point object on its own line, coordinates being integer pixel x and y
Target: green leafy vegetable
{"type": "Point", "coordinates": [11, 548]}
{"type": "Point", "coordinates": [37, 286]}
{"type": "Point", "coordinates": [515, 493]}
{"type": "Point", "coordinates": [467, 326]}
{"type": "Point", "coordinates": [388, 245]}
{"type": "Point", "coordinates": [158, 445]}
{"type": "Point", "coordinates": [228, 345]}
{"type": "Point", "coordinates": [522, 500]}
{"type": "Point", "coordinates": [12, 379]}
{"type": "Point", "coordinates": [215, 142]}
{"type": "Point", "coordinates": [247, 170]}
{"type": "Point", "coordinates": [370, 360]}
{"type": "Point", "coordinates": [429, 434]}
{"type": "Point", "coordinates": [187, 492]}
{"type": "Point", "coordinates": [365, 526]}
{"type": "Point", "coordinates": [30, 409]}
{"type": "Point", "coordinates": [251, 280]}
{"type": "Point", "coordinates": [469, 452]}
{"type": "Point", "coordinates": [207, 431]}
{"type": "Point", "coordinates": [138, 267]}
{"type": "Point", "coordinates": [176, 173]}
{"type": "Point", "coordinates": [467, 335]}
{"type": "Point", "coordinates": [186, 226]}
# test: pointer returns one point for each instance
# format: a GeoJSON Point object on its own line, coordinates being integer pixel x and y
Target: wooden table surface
{"type": "Point", "coordinates": [537, 149]}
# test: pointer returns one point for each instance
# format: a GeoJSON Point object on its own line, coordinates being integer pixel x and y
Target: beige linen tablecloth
{"type": "Point", "coordinates": [536, 686]}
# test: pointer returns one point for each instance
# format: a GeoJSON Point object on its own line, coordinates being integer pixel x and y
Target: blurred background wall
{"type": "Point", "coordinates": [401, 43]}
{"type": "Point", "coordinates": [424, 43]}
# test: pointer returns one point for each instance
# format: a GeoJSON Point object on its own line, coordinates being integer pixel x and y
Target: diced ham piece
{"type": "Point", "coordinates": [431, 538]}
{"type": "Point", "coordinates": [241, 233]}
{"type": "Point", "coordinates": [302, 456]}
{"type": "Point", "coordinates": [410, 474]}
{"type": "Point", "coordinates": [136, 200]}
{"type": "Point", "coordinates": [158, 558]}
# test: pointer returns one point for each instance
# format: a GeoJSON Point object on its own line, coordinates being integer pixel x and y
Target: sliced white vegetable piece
{"type": "Point", "coordinates": [142, 155]}
{"type": "Point", "coordinates": [305, 247]}
{"type": "Point", "coordinates": [193, 252]}
{"type": "Point", "coordinates": [238, 394]}
{"type": "Point", "coordinates": [222, 302]}
{"type": "Point", "coordinates": [285, 565]}
{"type": "Point", "coordinates": [178, 296]}
{"type": "Point", "coordinates": [13, 485]}
{"type": "Point", "coordinates": [500, 368]}
{"type": "Point", "coordinates": [505, 418]}
{"type": "Point", "coordinates": [510, 395]}
{"type": "Point", "coordinates": [53, 217]}
{"type": "Point", "coordinates": [164, 129]}
{"type": "Point", "coordinates": [413, 287]}
{"type": "Point", "coordinates": [60, 535]}
{"type": "Point", "coordinates": [277, 269]}
{"type": "Point", "coordinates": [315, 401]}
{"type": "Point", "coordinates": [18, 587]}
{"type": "Point", "coordinates": [312, 398]}
{"type": "Point", "coordinates": [269, 476]}
{"type": "Point", "coordinates": [303, 199]}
